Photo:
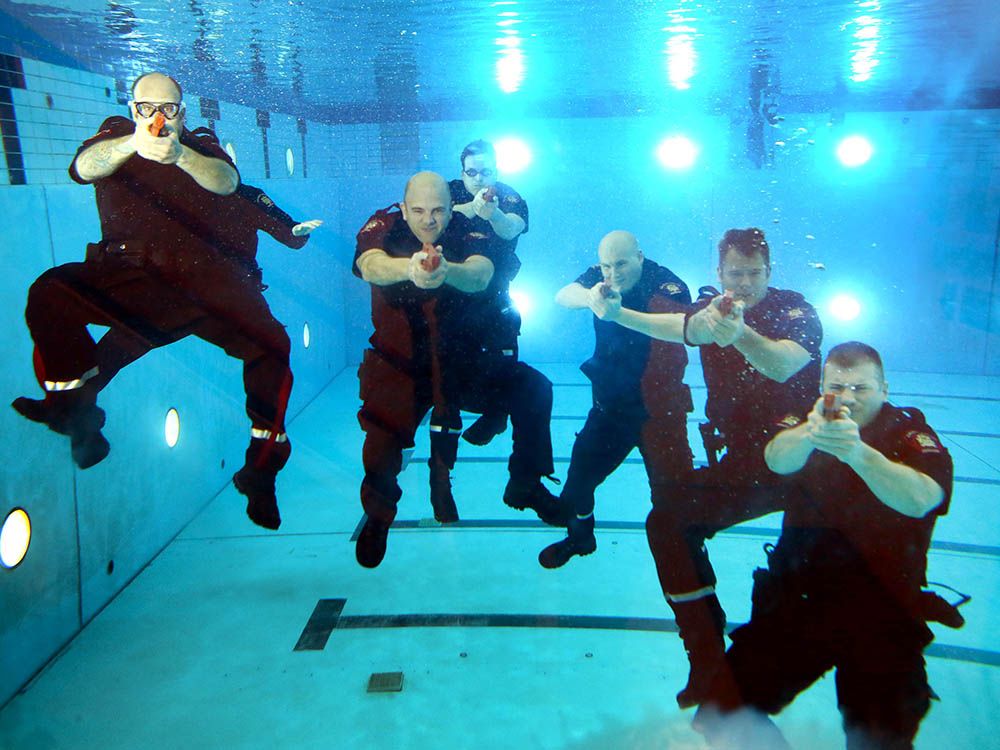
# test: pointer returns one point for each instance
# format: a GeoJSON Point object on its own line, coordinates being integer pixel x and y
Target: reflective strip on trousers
{"type": "Point", "coordinates": [279, 437]}
{"type": "Point", "coordinates": [70, 385]}
{"type": "Point", "coordinates": [690, 596]}
{"type": "Point", "coordinates": [445, 430]}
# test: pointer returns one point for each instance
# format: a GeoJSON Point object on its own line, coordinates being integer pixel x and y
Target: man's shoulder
{"type": "Point", "coordinates": [908, 425]}
{"type": "Point", "coordinates": [662, 280]}
{"type": "Point", "coordinates": [458, 192]}
{"type": "Point", "coordinates": [787, 298]}
{"type": "Point", "coordinates": [381, 222]}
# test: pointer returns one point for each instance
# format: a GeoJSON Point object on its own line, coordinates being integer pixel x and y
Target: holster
{"type": "Point", "coordinates": [713, 440]}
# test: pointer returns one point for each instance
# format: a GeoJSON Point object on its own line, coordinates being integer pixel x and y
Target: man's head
{"type": "Point", "coordinates": [479, 166]}
{"type": "Point", "coordinates": [853, 371]}
{"type": "Point", "coordinates": [745, 264]}
{"type": "Point", "coordinates": [621, 260]}
{"type": "Point", "coordinates": [156, 92]}
{"type": "Point", "coordinates": [427, 205]}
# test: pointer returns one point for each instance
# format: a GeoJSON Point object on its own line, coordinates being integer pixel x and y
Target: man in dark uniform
{"type": "Point", "coordinates": [843, 585]}
{"type": "Point", "coordinates": [639, 398]}
{"type": "Point", "coordinates": [498, 211]}
{"type": "Point", "coordinates": [760, 353]}
{"type": "Point", "coordinates": [158, 272]}
{"type": "Point", "coordinates": [424, 347]}
{"type": "Point", "coordinates": [240, 216]}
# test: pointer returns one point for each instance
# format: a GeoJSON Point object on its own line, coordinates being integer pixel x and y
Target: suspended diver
{"type": "Point", "coordinates": [176, 258]}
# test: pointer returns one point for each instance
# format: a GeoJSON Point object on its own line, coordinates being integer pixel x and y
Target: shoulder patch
{"type": "Point", "coordinates": [376, 223]}
{"type": "Point", "coordinates": [512, 198]}
{"type": "Point", "coordinates": [790, 420]}
{"type": "Point", "coordinates": [265, 199]}
{"type": "Point", "coordinates": [924, 441]}
{"type": "Point", "coordinates": [670, 288]}
{"type": "Point", "coordinates": [477, 236]}
{"type": "Point", "coordinates": [795, 313]}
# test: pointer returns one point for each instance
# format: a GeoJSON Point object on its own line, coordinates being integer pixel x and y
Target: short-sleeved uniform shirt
{"type": "Point", "coordinates": [629, 368]}
{"type": "Point", "coordinates": [841, 533]}
{"type": "Point", "coordinates": [510, 202]}
{"type": "Point", "coordinates": [742, 402]}
{"type": "Point", "coordinates": [402, 312]}
{"type": "Point", "coordinates": [157, 205]}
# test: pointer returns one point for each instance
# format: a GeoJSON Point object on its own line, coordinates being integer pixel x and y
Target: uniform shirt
{"type": "Point", "coordinates": [742, 402]}
{"type": "Point", "coordinates": [244, 213]}
{"type": "Point", "coordinates": [629, 368]}
{"type": "Point", "coordinates": [840, 532]}
{"type": "Point", "coordinates": [510, 202]}
{"type": "Point", "coordinates": [402, 313]}
{"type": "Point", "coordinates": [158, 206]}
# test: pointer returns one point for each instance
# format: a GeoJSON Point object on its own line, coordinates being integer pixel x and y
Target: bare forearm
{"type": "Point", "coordinates": [104, 157]}
{"type": "Point", "coordinates": [507, 226]}
{"type": "Point", "coordinates": [896, 485]}
{"type": "Point", "coordinates": [789, 450]}
{"type": "Point", "coordinates": [777, 360]}
{"type": "Point", "coordinates": [662, 326]}
{"type": "Point", "coordinates": [213, 174]}
{"type": "Point", "coordinates": [472, 276]}
{"type": "Point", "coordinates": [381, 270]}
{"type": "Point", "coordinates": [574, 296]}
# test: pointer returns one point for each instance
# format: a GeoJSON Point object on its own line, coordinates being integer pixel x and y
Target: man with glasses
{"type": "Point", "coordinates": [497, 210]}
{"type": "Point", "coordinates": [760, 355]}
{"type": "Point", "coordinates": [160, 273]}
{"type": "Point", "coordinates": [843, 587]}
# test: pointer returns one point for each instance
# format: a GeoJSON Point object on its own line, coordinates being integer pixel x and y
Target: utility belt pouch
{"type": "Point", "coordinates": [131, 251]}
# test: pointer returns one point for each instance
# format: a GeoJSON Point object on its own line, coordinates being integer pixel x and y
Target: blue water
{"type": "Point", "coordinates": [181, 618]}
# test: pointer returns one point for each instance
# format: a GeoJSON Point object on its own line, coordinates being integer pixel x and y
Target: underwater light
{"type": "Point", "coordinates": [854, 151]}
{"type": "Point", "coordinates": [844, 307]}
{"type": "Point", "coordinates": [305, 335]}
{"type": "Point", "coordinates": [172, 427]}
{"type": "Point", "coordinates": [15, 536]}
{"type": "Point", "coordinates": [677, 152]}
{"type": "Point", "coordinates": [513, 155]}
{"type": "Point", "coordinates": [523, 302]}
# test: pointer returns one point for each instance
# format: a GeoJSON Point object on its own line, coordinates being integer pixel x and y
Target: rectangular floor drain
{"type": "Point", "coordinates": [385, 682]}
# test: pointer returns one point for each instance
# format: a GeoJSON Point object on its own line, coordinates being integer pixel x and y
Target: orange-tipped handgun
{"type": "Point", "coordinates": [490, 194]}
{"type": "Point", "coordinates": [726, 304]}
{"type": "Point", "coordinates": [831, 406]}
{"type": "Point", "coordinates": [156, 126]}
{"type": "Point", "coordinates": [433, 259]}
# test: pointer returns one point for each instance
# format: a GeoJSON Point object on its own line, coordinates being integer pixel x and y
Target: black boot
{"type": "Point", "coordinates": [702, 625]}
{"type": "Point", "coordinates": [522, 493]}
{"type": "Point", "coordinates": [484, 429]}
{"type": "Point", "coordinates": [82, 422]}
{"type": "Point", "coordinates": [264, 459]}
{"type": "Point", "coordinates": [580, 541]}
{"type": "Point", "coordinates": [445, 510]}
{"type": "Point", "coordinates": [370, 547]}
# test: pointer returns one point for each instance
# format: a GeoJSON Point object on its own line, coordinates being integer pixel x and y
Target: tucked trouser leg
{"type": "Point", "coordinates": [712, 499]}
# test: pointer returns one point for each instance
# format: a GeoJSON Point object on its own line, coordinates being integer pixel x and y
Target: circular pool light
{"type": "Point", "coordinates": [172, 427]}
{"type": "Point", "coordinates": [854, 151]}
{"type": "Point", "coordinates": [15, 536]}
{"type": "Point", "coordinates": [677, 152]}
{"type": "Point", "coordinates": [844, 307]}
{"type": "Point", "coordinates": [522, 302]}
{"type": "Point", "coordinates": [513, 155]}
{"type": "Point", "coordinates": [305, 335]}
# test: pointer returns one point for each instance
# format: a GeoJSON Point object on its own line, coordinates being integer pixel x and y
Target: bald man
{"type": "Point", "coordinates": [424, 345]}
{"type": "Point", "coordinates": [159, 274]}
{"type": "Point", "coordinates": [639, 399]}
